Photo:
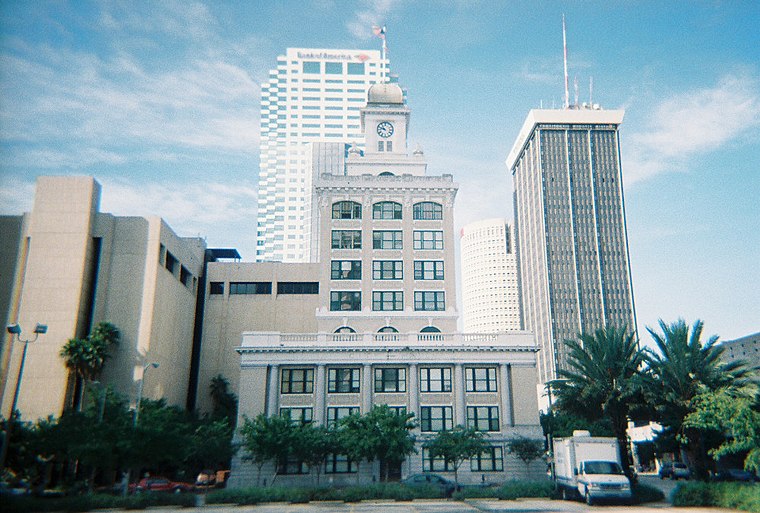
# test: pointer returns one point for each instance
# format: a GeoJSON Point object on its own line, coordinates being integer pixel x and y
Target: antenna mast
{"type": "Point", "coordinates": [564, 46]}
{"type": "Point", "coordinates": [591, 91]}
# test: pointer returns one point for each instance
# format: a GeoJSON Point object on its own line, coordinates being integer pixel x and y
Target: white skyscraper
{"type": "Point", "coordinates": [313, 95]}
{"type": "Point", "coordinates": [490, 297]}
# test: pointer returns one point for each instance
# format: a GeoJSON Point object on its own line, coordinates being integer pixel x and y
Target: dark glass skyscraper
{"type": "Point", "coordinates": [572, 244]}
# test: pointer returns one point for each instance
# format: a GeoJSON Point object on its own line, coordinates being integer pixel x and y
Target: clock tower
{"type": "Point", "coordinates": [385, 120]}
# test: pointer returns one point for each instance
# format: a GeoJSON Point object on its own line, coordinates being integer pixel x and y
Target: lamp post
{"type": "Point", "coordinates": [15, 332]}
{"type": "Point", "coordinates": [137, 417]}
{"type": "Point", "coordinates": [140, 390]}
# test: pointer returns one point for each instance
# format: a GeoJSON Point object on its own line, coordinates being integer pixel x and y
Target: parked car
{"type": "Point", "coordinates": [212, 479]}
{"type": "Point", "coordinates": [159, 484]}
{"type": "Point", "coordinates": [446, 486]}
{"type": "Point", "coordinates": [675, 471]}
{"type": "Point", "coordinates": [735, 474]}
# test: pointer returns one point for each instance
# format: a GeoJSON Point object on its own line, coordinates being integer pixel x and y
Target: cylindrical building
{"type": "Point", "coordinates": [490, 298]}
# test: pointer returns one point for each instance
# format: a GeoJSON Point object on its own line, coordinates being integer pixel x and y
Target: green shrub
{"type": "Point", "coordinates": [743, 496]}
{"type": "Point", "coordinates": [644, 493]}
{"type": "Point", "coordinates": [510, 490]}
{"type": "Point", "coordinates": [95, 501]}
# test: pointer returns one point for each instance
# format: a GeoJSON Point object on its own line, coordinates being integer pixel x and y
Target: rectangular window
{"type": "Point", "coordinates": [387, 239]}
{"type": "Point", "coordinates": [311, 67]}
{"type": "Point", "coordinates": [387, 270]}
{"type": "Point", "coordinates": [184, 275]}
{"type": "Point", "coordinates": [346, 270]}
{"type": "Point", "coordinates": [333, 68]}
{"type": "Point", "coordinates": [480, 379]}
{"type": "Point", "coordinates": [490, 460]}
{"type": "Point", "coordinates": [345, 301]}
{"type": "Point", "coordinates": [383, 301]}
{"type": "Point", "coordinates": [435, 379]}
{"type": "Point", "coordinates": [171, 262]}
{"type": "Point", "coordinates": [432, 465]}
{"type": "Point", "coordinates": [216, 288]}
{"type": "Point", "coordinates": [298, 415]}
{"type": "Point", "coordinates": [297, 381]}
{"type": "Point", "coordinates": [250, 287]}
{"type": "Point", "coordinates": [388, 145]}
{"type": "Point", "coordinates": [161, 254]}
{"type": "Point", "coordinates": [343, 381]}
{"type": "Point", "coordinates": [292, 466]}
{"type": "Point", "coordinates": [298, 287]}
{"type": "Point", "coordinates": [483, 418]}
{"type": "Point", "coordinates": [346, 239]}
{"type": "Point", "coordinates": [436, 418]}
{"type": "Point", "coordinates": [428, 270]}
{"type": "Point", "coordinates": [380, 145]}
{"type": "Point", "coordinates": [356, 68]}
{"type": "Point", "coordinates": [390, 380]}
{"type": "Point", "coordinates": [340, 464]}
{"type": "Point", "coordinates": [429, 301]}
{"type": "Point", "coordinates": [335, 414]}
{"type": "Point", "coordinates": [428, 239]}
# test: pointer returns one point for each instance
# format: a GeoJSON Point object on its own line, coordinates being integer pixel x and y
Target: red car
{"type": "Point", "coordinates": [159, 484]}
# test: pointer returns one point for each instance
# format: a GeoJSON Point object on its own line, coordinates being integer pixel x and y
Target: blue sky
{"type": "Point", "coordinates": [159, 101]}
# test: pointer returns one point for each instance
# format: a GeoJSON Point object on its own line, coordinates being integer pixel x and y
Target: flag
{"type": "Point", "coordinates": [379, 31]}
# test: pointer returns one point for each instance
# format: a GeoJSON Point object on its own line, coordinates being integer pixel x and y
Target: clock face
{"type": "Point", "coordinates": [385, 129]}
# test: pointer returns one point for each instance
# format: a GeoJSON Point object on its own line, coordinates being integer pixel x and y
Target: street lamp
{"type": "Point", "coordinates": [128, 473]}
{"type": "Point", "coordinates": [140, 389]}
{"type": "Point", "coordinates": [15, 331]}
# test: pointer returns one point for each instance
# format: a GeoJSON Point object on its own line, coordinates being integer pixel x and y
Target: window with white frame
{"type": "Point", "coordinates": [428, 239]}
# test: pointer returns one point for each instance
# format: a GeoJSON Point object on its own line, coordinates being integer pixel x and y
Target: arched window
{"type": "Point", "coordinates": [346, 210]}
{"type": "Point", "coordinates": [386, 210]}
{"type": "Point", "coordinates": [386, 173]}
{"type": "Point", "coordinates": [430, 329]}
{"type": "Point", "coordinates": [427, 210]}
{"type": "Point", "coordinates": [387, 329]}
{"type": "Point", "coordinates": [345, 329]}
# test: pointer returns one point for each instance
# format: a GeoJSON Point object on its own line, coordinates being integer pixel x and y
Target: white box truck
{"type": "Point", "coordinates": [589, 467]}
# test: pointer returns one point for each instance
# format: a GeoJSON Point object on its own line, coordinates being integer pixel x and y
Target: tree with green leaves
{"type": "Point", "coordinates": [381, 434]}
{"type": "Point", "coordinates": [268, 439]}
{"type": "Point", "coordinates": [733, 413]}
{"type": "Point", "coordinates": [455, 446]}
{"type": "Point", "coordinates": [526, 449]}
{"type": "Point", "coordinates": [681, 368]}
{"type": "Point", "coordinates": [602, 380]}
{"type": "Point", "coordinates": [86, 357]}
{"type": "Point", "coordinates": [224, 402]}
{"type": "Point", "coordinates": [313, 444]}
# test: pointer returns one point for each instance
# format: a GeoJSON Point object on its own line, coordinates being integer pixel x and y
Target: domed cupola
{"type": "Point", "coordinates": [385, 93]}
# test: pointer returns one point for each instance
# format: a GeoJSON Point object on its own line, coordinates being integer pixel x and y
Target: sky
{"type": "Point", "coordinates": [159, 100]}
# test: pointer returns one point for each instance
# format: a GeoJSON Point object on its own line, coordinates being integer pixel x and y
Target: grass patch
{"type": "Point", "coordinates": [510, 491]}
{"type": "Point", "coordinates": [742, 496]}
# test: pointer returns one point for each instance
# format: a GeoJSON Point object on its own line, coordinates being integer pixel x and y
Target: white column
{"type": "Point", "coordinates": [273, 390]}
{"type": "Point", "coordinates": [412, 383]}
{"type": "Point", "coordinates": [459, 386]}
{"type": "Point", "coordinates": [366, 388]}
{"type": "Point", "coordinates": [506, 396]}
{"type": "Point", "coordinates": [320, 394]}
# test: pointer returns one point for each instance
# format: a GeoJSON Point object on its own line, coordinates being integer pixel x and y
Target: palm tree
{"type": "Point", "coordinates": [86, 357]}
{"type": "Point", "coordinates": [602, 380]}
{"type": "Point", "coordinates": [682, 367]}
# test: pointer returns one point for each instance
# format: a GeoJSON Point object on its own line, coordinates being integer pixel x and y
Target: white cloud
{"type": "Point", "coordinates": [684, 126]}
{"type": "Point", "coordinates": [373, 12]}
